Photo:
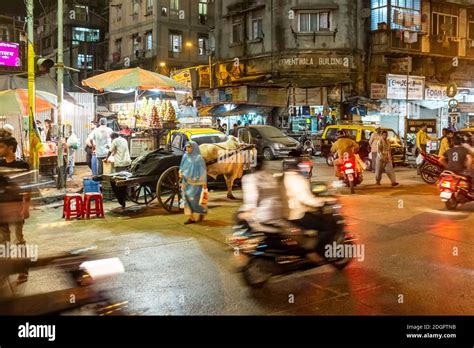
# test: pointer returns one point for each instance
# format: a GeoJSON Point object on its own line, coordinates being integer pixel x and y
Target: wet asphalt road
{"type": "Point", "coordinates": [418, 258]}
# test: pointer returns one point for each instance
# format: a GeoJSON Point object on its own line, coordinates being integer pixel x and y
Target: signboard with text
{"type": "Point", "coordinates": [397, 87]}
{"type": "Point", "coordinates": [435, 92]}
{"type": "Point", "coordinates": [9, 54]}
{"type": "Point", "coordinates": [378, 91]}
{"type": "Point", "coordinates": [413, 126]}
{"type": "Point", "coordinates": [314, 61]}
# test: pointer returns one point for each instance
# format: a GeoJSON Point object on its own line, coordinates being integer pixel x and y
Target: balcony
{"type": "Point", "coordinates": [387, 40]}
{"type": "Point", "coordinates": [447, 46]}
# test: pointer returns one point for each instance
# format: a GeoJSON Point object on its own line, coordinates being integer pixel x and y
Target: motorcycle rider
{"type": "Point", "coordinates": [303, 204]}
{"type": "Point", "coordinates": [344, 146]}
{"type": "Point", "coordinates": [458, 159]}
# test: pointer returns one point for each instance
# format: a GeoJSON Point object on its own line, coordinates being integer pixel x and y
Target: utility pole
{"type": "Point", "coordinates": [61, 183]}
{"type": "Point", "coordinates": [34, 141]}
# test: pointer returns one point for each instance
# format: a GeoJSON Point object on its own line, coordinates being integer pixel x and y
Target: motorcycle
{"type": "Point", "coordinates": [83, 273]}
{"type": "Point", "coordinates": [307, 145]}
{"type": "Point", "coordinates": [351, 175]}
{"type": "Point", "coordinates": [431, 168]}
{"type": "Point", "coordinates": [270, 252]}
{"type": "Point", "coordinates": [305, 163]}
{"type": "Point", "coordinates": [455, 189]}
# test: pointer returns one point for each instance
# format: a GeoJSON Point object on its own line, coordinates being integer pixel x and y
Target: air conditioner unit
{"type": "Point", "coordinates": [470, 43]}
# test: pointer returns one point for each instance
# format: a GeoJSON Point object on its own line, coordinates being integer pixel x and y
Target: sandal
{"type": "Point", "coordinates": [189, 221]}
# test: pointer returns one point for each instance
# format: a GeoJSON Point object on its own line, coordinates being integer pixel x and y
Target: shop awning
{"type": "Point", "coordinates": [211, 110]}
{"type": "Point", "coordinates": [248, 109]}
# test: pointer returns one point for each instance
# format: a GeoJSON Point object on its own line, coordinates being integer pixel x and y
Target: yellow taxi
{"type": "Point", "coordinates": [361, 134]}
{"type": "Point", "coordinates": [178, 138]}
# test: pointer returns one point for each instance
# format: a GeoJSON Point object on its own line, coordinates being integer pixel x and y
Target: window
{"type": "Point", "coordinates": [257, 29]}
{"type": "Point", "coordinates": [136, 44]}
{"type": "Point", "coordinates": [135, 7]}
{"type": "Point", "coordinates": [149, 41]}
{"type": "Point", "coordinates": [470, 34]}
{"type": "Point", "coordinates": [118, 13]}
{"type": "Point", "coordinates": [351, 133]}
{"type": "Point", "coordinates": [85, 61]}
{"type": "Point", "coordinates": [309, 22]}
{"type": "Point", "coordinates": [203, 7]}
{"type": "Point", "coordinates": [176, 42]}
{"type": "Point", "coordinates": [237, 31]}
{"type": "Point", "coordinates": [174, 6]}
{"type": "Point", "coordinates": [82, 12]}
{"type": "Point", "coordinates": [118, 46]}
{"type": "Point", "coordinates": [164, 11]}
{"type": "Point", "coordinates": [331, 134]}
{"type": "Point", "coordinates": [203, 44]}
{"type": "Point", "coordinates": [149, 6]}
{"type": "Point", "coordinates": [444, 24]}
{"type": "Point", "coordinates": [177, 142]}
{"type": "Point", "coordinates": [405, 14]}
{"type": "Point", "coordinates": [85, 34]}
{"type": "Point", "coordinates": [4, 34]}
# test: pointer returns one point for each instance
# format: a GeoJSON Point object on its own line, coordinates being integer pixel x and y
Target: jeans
{"type": "Point", "coordinates": [100, 165]}
{"type": "Point", "coordinates": [373, 161]}
{"type": "Point", "coordinates": [94, 165]}
{"type": "Point", "coordinates": [70, 162]}
{"type": "Point", "coordinates": [387, 167]}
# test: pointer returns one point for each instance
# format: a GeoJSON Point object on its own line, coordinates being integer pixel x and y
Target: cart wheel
{"type": "Point", "coordinates": [141, 194]}
{"type": "Point", "coordinates": [168, 190]}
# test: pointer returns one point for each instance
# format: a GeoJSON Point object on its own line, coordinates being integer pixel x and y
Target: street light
{"type": "Point", "coordinates": [210, 54]}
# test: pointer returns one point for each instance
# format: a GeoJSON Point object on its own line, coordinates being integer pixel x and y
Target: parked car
{"type": "Point", "coordinates": [361, 134]}
{"type": "Point", "coordinates": [270, 141]}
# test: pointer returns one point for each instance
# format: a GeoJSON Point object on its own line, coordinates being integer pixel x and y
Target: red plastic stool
{"type": "Point", "coordinates": [98, 209]}
{"type": "Point", "coordinates": [68, 211]}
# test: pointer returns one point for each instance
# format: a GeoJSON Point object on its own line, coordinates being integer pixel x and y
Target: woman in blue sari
{"type": "Point", "coordinates": [193, 173]}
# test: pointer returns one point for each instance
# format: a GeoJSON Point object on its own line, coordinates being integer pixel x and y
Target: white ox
{"type": "Point", "coordinates": [230, 162]}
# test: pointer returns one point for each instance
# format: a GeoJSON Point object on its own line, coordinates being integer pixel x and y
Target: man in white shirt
{"type": "Point", "coordinates": [373, 142]}
{"type": "Point", "coordinates": [119, 149]}
{"type": "Point", "coordinates": [99, 140]}
{"type": "Point", "coordinates": [302, 204]}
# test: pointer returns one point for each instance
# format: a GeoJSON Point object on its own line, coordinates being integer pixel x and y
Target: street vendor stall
{"type": "Point", "coordinates": [146, 121]}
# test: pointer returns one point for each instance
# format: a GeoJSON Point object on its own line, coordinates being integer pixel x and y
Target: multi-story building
{"type": "Point", "coordinates": [305, 58]}
{"type": "Point", "coordinates": [85, 37]}
{"type": "Point", "coordinates": [13, 48]}
{"type": "Point", "coordinates": [433, 41]}
{"type": "Point", "coordinates": [160, 35]}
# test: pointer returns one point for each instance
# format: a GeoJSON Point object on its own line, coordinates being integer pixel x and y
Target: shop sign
{"type": "Point", "coordinates": [204, 77]}
{"type": "Point", "coordinates": [378, 91]}
{"type": "Point", "coordinates": [225, 95]}
{"type": "Point", "coordinates": [435, 92]}
{"type": "Point", "coordinates": [276, 97]}
{"type": "Point", "coordinates": [466, 107]}
{"type": "Point", "coordinates": [315, 61]}
{"type": "Point", "coordinates": [397, 87]}
{"type": "Point", "coordinates": [413, 126]}
{"type": "Point", "coordinates": [183, 77]}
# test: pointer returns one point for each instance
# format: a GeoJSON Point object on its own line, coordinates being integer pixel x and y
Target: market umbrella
{"type": "Point", "coordinates": [15, 101]}
{"type": "Point", "coordinates": [133, 79]}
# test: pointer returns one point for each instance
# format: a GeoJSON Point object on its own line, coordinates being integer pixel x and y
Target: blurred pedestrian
{"type": "Point", "coordinates": [14, 226]}
{"type": "Point", "coordinates": [384, 160]}
{"type": "Point", "coordinates": [47, 131]}
{"type": "Point", "coordinates": [235, 130]}
{"type": "Point", "coordinates": [100, 141]}
{"type": "Point", "coordinates": [72, 144]}
{"type": "Point", "coordinates": [224, 128]}
{"type": "Point", "coordinates": [446, 141]}
{"type": "Point", "coordinates": [8, 131]}
{"type": "Point", "coordinates": [193, 174]}
{"type": "Point", "coordinates": [90, 156]}
{"type": "Point", "coordinates": [119, 149]}
{"type": "Point", "coordinates": [373, 142]}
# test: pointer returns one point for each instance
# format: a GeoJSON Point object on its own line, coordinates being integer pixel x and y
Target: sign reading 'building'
{"type": "Point", "coordinates": [315, 62]}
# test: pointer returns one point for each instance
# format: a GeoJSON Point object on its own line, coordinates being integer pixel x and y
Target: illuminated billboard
{"type": "Point", "coordinates": [9, 54]}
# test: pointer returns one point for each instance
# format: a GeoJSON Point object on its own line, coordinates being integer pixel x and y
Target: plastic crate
{"type": "Point", "coordinates": [90, 186]}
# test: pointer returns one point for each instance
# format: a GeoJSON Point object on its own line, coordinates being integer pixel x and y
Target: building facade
{"type": "Point", "coordinates": [305, 58]}
{"type": "Point", "coordinates": [159, 35]}
{"type": "Point", "coordinates": [85, 37]}
{"type": "Point", "coordinates": [431, 40]}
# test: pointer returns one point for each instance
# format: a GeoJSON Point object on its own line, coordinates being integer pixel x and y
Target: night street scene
{"type": "Point", "coordinates": [237, 158]}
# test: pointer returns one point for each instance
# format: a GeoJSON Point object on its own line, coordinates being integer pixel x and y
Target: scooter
{"type": "Point", "coordinates": [269, 252]}
{"type": "Point", "coordinates": [351, 176]}
{"type": "Point", "coordinates": [431, 168]}
{"type": "Point", "coordinates": [83, 274]}
{"type": "Point", "coordinates": [455, 189]}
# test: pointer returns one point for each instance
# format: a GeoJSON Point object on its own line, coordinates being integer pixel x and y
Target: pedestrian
{"type": "Point", "coordinates": [8, 131]}
{"type": "Point", "coordinates": [193, 174]}
{"type": "Point", "coordinates": [90, 156]}
{"type": "Point", "coordinates": [72, 144]}
{"type": "Point", "coordinates": [384, 160]}
{"type": "Point", "coordinates": [422, 138]}
{"type": "Point", "coordinates": [224, 128]}
{"type": "Point", "coordinates": [235, 130]}
{"type": "Point", "coordinates": [48, 132]}
{"type": "Point", "coordinates": [14, 226]}
{"type": "Point", "coordinates": [446, 141]}
{"type": "Point", "coordinates": [119, 149]}
{"type": "Point", "coordinates": [100, 141]}
{"type": "Point", "coordinates": [373, 142]}
{"type": "Point", "coordinates": [219, 127]}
